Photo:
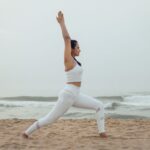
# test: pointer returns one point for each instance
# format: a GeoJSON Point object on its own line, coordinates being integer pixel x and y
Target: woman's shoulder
{"type": "Point", "coordinates": [69, 64]}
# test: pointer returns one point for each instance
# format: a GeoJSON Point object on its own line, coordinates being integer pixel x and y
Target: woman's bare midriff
{"type": "Point", "coordinates": [75, 83]}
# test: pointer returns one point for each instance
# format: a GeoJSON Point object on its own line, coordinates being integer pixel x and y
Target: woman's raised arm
{"type": "Point", "coordinates": [66, 37]}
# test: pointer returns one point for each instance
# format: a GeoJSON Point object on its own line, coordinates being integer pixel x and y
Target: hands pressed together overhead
{"type": "Point", "coordinates": [60, 17]}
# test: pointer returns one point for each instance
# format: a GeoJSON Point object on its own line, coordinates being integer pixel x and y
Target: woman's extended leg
{"type": "Point", "coordinates": [85, 101]}
{"type": "Point", "coordinates": [65, 101]}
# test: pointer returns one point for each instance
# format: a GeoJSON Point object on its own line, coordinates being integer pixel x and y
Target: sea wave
{"type": "Point", "coordinates": [30, 98]}
{"type": "Point", "coordinates": [25, 104]}
{"type": "Point", "coordinates": [137, 100]}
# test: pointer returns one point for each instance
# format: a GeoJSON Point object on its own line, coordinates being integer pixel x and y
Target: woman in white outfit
{"type": "Point", "coordinates": [70, 95]}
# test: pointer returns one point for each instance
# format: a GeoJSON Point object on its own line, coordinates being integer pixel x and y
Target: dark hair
{"type": "Point", "coordinates": [73, 44]}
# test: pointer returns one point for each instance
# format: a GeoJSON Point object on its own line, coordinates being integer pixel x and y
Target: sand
{"type": "Point", "coordinates": [124, 134]}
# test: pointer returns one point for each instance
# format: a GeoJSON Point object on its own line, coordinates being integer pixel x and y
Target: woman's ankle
{"type": "Point", "coordinates": [25, 135]}
{"type": "Point", "coordinates": [103, 135]}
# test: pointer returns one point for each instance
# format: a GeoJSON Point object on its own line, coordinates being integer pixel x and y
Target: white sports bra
{"type": "Point", "coordinates": [75, 74]}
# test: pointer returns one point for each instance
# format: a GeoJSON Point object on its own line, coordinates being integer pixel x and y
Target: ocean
{"type": "Point", "coordinates": [30, 107]}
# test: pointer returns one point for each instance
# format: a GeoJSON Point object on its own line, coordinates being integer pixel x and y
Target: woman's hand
{"type": "Point", "coordinates": [60, 17]}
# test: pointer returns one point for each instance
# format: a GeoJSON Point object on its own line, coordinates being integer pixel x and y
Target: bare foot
{"type": "Point", "coordinates": [103, 135]}
{"type": "Point", "coordinates": [24, 135]}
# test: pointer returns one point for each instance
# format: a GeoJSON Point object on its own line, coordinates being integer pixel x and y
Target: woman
{"type": "Point", "coordinates": [70, 95]}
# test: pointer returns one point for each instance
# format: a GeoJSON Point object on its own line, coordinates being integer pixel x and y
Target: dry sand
{"type": "Point", "coordinates": [124, 134]}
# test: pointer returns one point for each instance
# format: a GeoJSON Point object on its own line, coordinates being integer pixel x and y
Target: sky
{"type": "Point", "coordinates": [114, 37]}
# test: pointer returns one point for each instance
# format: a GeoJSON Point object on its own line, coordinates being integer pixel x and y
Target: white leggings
{"type": "Point", "coordinates": [69, 96]}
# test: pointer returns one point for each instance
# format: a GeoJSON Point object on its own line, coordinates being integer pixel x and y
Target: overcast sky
{"type": "Point", "coordinates": [114, 37]}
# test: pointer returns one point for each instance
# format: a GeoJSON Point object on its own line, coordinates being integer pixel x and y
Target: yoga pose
{"type": "Point", "coordinates": [70, 95]}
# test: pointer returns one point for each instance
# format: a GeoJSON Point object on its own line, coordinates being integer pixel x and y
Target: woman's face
{"type": "Point", "coordinates": [76, 50]}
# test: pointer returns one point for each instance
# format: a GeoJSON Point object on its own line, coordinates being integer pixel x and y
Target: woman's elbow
{"type": "Point", "coordinates": [67, 38]}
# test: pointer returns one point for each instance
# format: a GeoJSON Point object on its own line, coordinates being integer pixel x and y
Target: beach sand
{"type": "Point", "coordinates": [82, 134]}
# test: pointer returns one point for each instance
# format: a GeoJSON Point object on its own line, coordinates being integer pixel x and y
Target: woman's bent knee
{"type": "Point", "coordinates": [100, 107]}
